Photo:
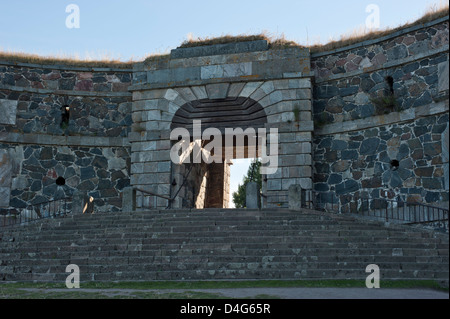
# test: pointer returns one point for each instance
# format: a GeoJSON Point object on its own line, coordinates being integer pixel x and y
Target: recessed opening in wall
{"type": "Point", "coordinates": [390, 83]}
{"type": "Point", "coordinates": [65, 116]}
{"type": "Point", "coordinates": [60, 181]}
{"type": "Point", "coordinates": [386, 101]}
{"type": "Point", "coordinates": [395, 164]}
{"type": "Point", "coordinates": [207, 184]}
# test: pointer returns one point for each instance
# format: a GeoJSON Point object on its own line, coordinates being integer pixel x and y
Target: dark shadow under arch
{"type": "Point", "coordinates": [225, 113]}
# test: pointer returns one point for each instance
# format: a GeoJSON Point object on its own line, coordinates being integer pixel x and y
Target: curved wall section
{"type": "Point", "coordinates": [381, 118]}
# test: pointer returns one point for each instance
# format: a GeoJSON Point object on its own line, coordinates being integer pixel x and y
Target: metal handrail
{"type": "Point", "coordinates": [182, 185]}
{"type": "Point", "coordinates": [388, 210]}
{"type": "Point", "coordinates": [151, 193]}
{"type": "Point", "coordinates": [43, 210]}
{"type": "Point", "coordinates": [444, 211]}
{"type": "Point", "coordinates": [169, 199]}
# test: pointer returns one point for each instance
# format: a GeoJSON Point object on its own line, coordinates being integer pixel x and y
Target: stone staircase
{"type": "Point", "coordinates": [219, 245]}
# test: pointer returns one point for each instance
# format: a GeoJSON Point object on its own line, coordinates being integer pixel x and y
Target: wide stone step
{"type": "Point", "coordinates": [225, 274]}
{"type": "Point", "coordinates": [149, 228]}
{"type": "Point", "coordinates": [184, 227]}
{"type": "Point", "coordinates": [148, 257]}
{"type": "Point", "coordinates": [42, 259]}
{"type": "Point", "coordinates": [360, 235]}
{"type": "Point", "coordinates": [182, 266]}
{"type": "Point", "coordinates": [191, 250]}
{"type": "Point", "coordinates": [182, 218]}
{"type": "Point", "coordinates": [118, 217]}
{"type": "Point", "coordinates": [213, 243]}
{"type": "Point", "coordinates": [232, 236]}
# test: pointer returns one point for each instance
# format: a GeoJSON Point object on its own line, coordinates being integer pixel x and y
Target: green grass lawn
{"type": "Point", "coordinates": [146, 290]}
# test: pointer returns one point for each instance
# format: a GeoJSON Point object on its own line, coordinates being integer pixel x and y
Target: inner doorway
{"type": "Point", "coordinates": [238, 171]}
{"type": "Point", "coordinates": [207, 185]}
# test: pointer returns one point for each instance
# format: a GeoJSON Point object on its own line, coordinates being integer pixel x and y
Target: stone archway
{"type": "Point", "coordinates": [260, 89]}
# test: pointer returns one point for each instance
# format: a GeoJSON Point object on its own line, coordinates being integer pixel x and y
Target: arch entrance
{"type": "Point", "coordinates": [224, 130]}
{"type": "Point", "coordinates": [246, 86]}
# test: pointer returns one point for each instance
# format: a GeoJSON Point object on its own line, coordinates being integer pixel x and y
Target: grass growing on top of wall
{"type": "Point", "coordinates": [279, 42]}
{"type": "Point", "coordinates": [360, 35]}
{"type": "Point", "coordinates": [61, 60]}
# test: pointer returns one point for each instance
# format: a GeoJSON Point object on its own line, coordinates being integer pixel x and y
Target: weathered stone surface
{"type": "Point", "coordinates": [369, 146]}
{"type": "Point", "coordinates": [219, 49]}
{"type": "Point", "coordinates": [295, 197]}
{"type": "Point", "coordinates": [252, 199]}
{"type": "Point", "coordinates": [8, 109]}
{"type": "Point", "coordinates": [432, 183]}
{"type": "Point", "coordinates": [424, 171]}
{"type": "Point", "coordinates": [226, 71]}
{"type": "Point", "coordinates": [5, 178]}
{"type": "Point", "coordinates": [443, 76]}
{"type": "Point", "coordinates": [340, 166]}
{"type": "Point", "coordinates": [432, 149]}
{"type": "Point", "coordinates": [419, 169]}
{"type": "Point", "coordinates": [129, 199]}
{"type": "Point", "coordinates": [339, 145]}
{"type": "Point", "coordinates": [217, 91]}
{"type": "Point", "coordinates": [349, 186]}
{"type": "Point", "coordinates": [445, 157]}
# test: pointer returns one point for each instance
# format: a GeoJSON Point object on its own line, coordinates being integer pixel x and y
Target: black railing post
{"type": "Point", "coordinates": [386, 211]}
{"type": "Point", "coordinates": [332, 202]}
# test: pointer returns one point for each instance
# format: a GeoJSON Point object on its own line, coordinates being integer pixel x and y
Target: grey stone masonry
{"type": "Point", "coordinates": [79, 199]}
{"type": "Point", "coordinates": [8, 111]}
{"type": "Point", "coordinates": [5, 178]}
{"type": "Point", "coordinates": [443, 76]}
{"type": "Point", "coordinates": [380, 111]}
{"type": "Point", "coordinates": [220, 49]}
{"type": "Point", "coordinates": [129, 199]}
{"type": "Point", "coordinates": [295, 197]}
{"type": "Point", "coordinates": [252, 195]}
{"type": "Point", "coordinates": [278, 80]}
{"type": "Point", "coordinates": [208, 64]}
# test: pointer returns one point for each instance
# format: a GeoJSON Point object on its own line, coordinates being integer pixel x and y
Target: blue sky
{"type": "Point", "coordinates": [132, 29]}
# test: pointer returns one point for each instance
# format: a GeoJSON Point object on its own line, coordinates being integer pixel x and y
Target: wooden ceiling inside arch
{"type": "Point", "coordinates": [225, 113]}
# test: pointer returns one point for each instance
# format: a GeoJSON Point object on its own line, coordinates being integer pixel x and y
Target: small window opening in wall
{"type": "Point", "coordinates": [390, 83]}
{"type": "Point", "coordinates": [60, 181]}
{"type": "Point", "coordinates": [65, 116]}
{"type": "Point", "coordinates": [395, 164]}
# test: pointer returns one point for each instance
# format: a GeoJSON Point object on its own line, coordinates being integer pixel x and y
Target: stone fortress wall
{"type": "Point", "coordinates": [363, 149]}
{"type": "Point", "coordinates": [334, 137]}
{"type": "Point", "coordinates": [91, 152]}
